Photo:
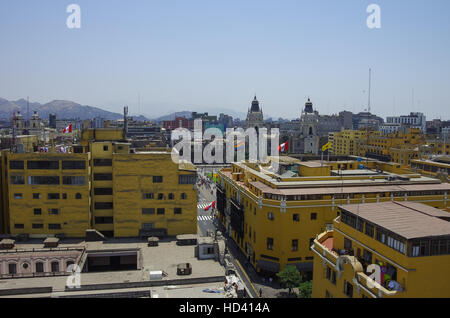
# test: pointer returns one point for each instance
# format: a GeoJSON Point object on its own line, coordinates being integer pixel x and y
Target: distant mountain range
{"type": "Point", "coordinates": [62, 108]}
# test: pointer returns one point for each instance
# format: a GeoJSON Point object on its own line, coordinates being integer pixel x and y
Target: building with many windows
{"type": "Point", "coordinates": [274, 216]}
{"type": "Point", "coordinates": [384, 250]}
{"type": "Point", "coordinates": [101, 184]}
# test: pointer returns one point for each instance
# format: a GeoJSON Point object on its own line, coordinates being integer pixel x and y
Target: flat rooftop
{"type": "Point", "coordinates": [407, 219]}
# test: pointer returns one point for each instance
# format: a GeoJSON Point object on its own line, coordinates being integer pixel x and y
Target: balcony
{"type": "Point", "coordinates": [338, 259]}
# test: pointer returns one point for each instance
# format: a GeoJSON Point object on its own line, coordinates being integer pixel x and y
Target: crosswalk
{"type": "Point", "coordinates": [204, 218]}
{"type": "Point", "coordinates": [202, 205]}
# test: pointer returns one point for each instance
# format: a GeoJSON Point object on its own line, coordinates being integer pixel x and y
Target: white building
{"type": "Point", "coordinates": [413, 120]}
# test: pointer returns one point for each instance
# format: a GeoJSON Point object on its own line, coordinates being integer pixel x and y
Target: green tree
{"type": "Point", "coordinates": [290, 277]}
{"type": "Point", "coordinates": [305, 289]}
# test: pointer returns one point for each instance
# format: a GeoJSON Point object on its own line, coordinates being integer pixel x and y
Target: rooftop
{"type": "Point", "coordinates": [407, 219]}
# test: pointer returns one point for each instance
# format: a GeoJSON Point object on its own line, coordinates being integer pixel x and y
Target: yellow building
{"type": "Point", "coordinates": [384, 250]}
{"type": "Point", "coordinates": [100, 184]}
{"type": "Point", "coordinates": [274, 219]}
{"type": "Point", "coordinates": [438, 167]}
{"type": "Point", "coordinates": [346, 142]}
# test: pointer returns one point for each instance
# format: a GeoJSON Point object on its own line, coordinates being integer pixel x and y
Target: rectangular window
{"type": "Point", "coordinates": [270, 243]}
{"type": "Point", "coordinates": [53, 211]}
{"type": "Point", "coordinates": [161, 211]}
{"type": "Point", "coordinates": [294, 245]}
{"type": "Point", "coordinates": [148, 226]}
{"type": "Point", "coordinates": [102, 162]}
{"type": "Point", "coordinates": [347, 244]}
{"type": "Point", "coordinates": [104, 220]}
{"type": "Point", "coordinates": [36, 195]}
{"type": "Point", "coordinates": [187, 179]}
{"type": "Point", "coordinates": [103, 205]}
{"type": "Point", "coordinates": [105, 148]}
{"type": "Point", "coordinates": [53, 196]}
{"type": "Point", "coordinates": [313, 216]}
{"type": "Point", "coordinates": [43, 165]}
{"type": "Point", "coordinates": [38, 226]}
{"type": "Point", "coordinates": [76, 180]}
{"type": "Point", "coordinates": [37, 211]}
{"type": "Point", "coordinates": [73, 165]}
{"type": "Point", "coordinates": [296, 217]}
{"type": "Point", "coordinates": [43, 180]}
{"type": "Point", "coordinates": [270, 216]}
{"type": "Point", "coordinates": [148, 211]}
{"type": "Point", "coordinates": [369, 229]}
{"type": "Point", "coordinates": [148, 196]}
{"type": "Point", "coordinates": [18, 196]}
{"type": "Point", "coordinates": [64, 196]}
{"type": "Point", "coordinates": [19, 226]}
{"type": "Point", "coordinates": [103, 191]}
{"type": "Point", "coordinates": [17, 180]}
{"type": "Point", "coordinates": [16, 165]}
{"type": "Point", "coordinates": [103, 176]}
{"type": "Point", "coordinates": [12, 269]}
{"type": "Point", "coordinates": [157, 179]}
{"type": "Point", "coordinates": [348, 289]}
{"type": "Point", "coordinates": [177, 210]}
{"type": "Point", "coordinates": [360, 225]}
{"type": "Point", "coordinates": [54, 226]}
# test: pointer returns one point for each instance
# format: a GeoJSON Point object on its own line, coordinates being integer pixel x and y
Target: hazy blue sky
{"type": "Point", "coordinates": [181, 54]}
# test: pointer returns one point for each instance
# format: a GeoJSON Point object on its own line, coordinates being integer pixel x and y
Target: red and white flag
{"type": "Point", "coordinates": [283, 147]}
{"type": "Point", "coordinates": [68, 129]}
{"type": "Point", "coordinates": [212, 205]}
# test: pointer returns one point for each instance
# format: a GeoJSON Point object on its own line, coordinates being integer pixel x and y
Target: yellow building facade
{"type": "Point", "coordinates": [274, 220]}
{"type": "Point", "coordinates": [100, 184]}
{"type": "Point", "coordinates": [383, 250]}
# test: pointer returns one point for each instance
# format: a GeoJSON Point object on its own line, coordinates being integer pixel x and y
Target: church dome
{"type": "Point", "coordinates": [309, 107]}
{"type": "Point", "coordinates": [255, 106]}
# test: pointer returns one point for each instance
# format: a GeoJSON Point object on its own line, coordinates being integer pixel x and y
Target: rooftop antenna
{"type": "Point", "coordinates": [27, 122]}
{"type": "Point", "coordinates": [370, 80]}
{"type": "Point", "coordinates": [125, 121]}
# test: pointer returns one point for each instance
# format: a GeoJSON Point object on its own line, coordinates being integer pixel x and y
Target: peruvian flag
{"type": "Point", "coordinates": [283, 147]}
{"type": "Point", "coordinates": [68, 129]}
{"type": "Point", "coordinates": [212, 205]}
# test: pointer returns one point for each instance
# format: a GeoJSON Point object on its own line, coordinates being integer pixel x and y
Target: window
{"type": "Point", "coordinates": [74, 180]}
{"type": "Point", "coordinates": [270, 216]}
{"type": "Point", "coordinates": [103, 176]}
{"type": "Point", "coordinates": [103, 205]}
{"type": "Point", "coordinates": [183, 196]}
{"type": "Point", "coordinates": [78, 196]}
{"type": "Point", "coordinates": [148, 226]}
{"type": "Point", "coordinates": [294, 245]}
{"type": "Point", "coordinates": [177, 210]}
{"type": "Point", "coordinates": [296, 217]}
{"type": "Point", "coordinates": [16, 165]}
{"type": "Point", "coordinates": [17, 180]}
{"type": "Point", "coordinates": [102, 162]}
{"type": "Point", "coordinates": [38, 226]}
{"type": "Point", "coordinates": [171, 196]}
{"type": "Point", "coordinates": [105, 148]}
{"type": "Point", "coordinates": [18, 196]}
{"type": "Point", "coordinates": [53, 211]}
{"type": "Point", "coordinates": [161, 211]}
{"type": "Point", "coordinates": [104, 220]}
{"type": "Point", "coordinates": [348, 289]}
{"type": "Point", "coordinates": [367, 256]}
{"type": "Point", "coordinates": [148, 211]}
{"type": "Point", "coordinates": [19, 226]}
{"type": "Point", "coordinates": [270, 243]}
{"type": "Point", "coordinates": [313, 216]}
{"type": "Point", "coordinates": [37, 211]}
{"type": "Point", "coordinates": [12, 268]}
{"type": "Point", "coordinates": [43, 180]}
{"type": "Point", "coordinates": [36, 195]}
{"type": "Point", "coordinates": [347, 244]}
{"type": "Point", "coordinates": [39, 267]}
{"type": "Point", "coordinates": [147, 196]}
{"type": "Point", "coordinates": [359, 224]}
{"type": "Point", "coordinates": [54, 226]}
{"type": "Point", "coordinates": [369, 229]}
{"type": "Point", "coordinates": [187, 179]}
{"type": "Point", "coordinates": [103, 191]}
{"type": "Point", "coordinates": [55, 267]}
{"type": "Point", "coordinates": [73, 165]}
{"type": "Point", "coordinates": [311, 242]}
{"type": "Point", "coordinates": [333, 277]}
{"type": "Point", "coordinates": [53, 196]}
{"type": "Point", "coordinates": [160, 196]}
{"type": "Point", "coordinates": [64, 196]}
{"type": "Point", "coordinates": [157, 179]}
{"type": "Point", "coordinates": [43, 165]}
